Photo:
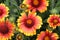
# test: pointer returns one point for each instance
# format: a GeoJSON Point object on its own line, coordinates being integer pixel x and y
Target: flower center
{"type": "Point", "coordinates": [4, 29]}
{"type": "Point", "coordinates": [35, 2]}
{"type": "Point", "coordinates": [47, 38]}
{"type": "Point", "coordinates": [29, 21]}
{"type": "Point", "coordinates": [55, 21]}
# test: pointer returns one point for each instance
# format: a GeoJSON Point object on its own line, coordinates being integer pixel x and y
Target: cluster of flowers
{"type": "Point", "coordinates": [29, 22]}
{"type": "Point", "coordinates": [6, 27]}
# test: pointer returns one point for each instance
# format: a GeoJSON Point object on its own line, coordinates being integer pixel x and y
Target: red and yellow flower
{"type": "Point", "coordinates": [6, 30]}
{"type": "Point", "coordinates": [4, 10]}
{"type": "Point", "coordinates": [29, 23]}
{"type": "Point", "coordinates": [34, 5]}
{"type": "Point", "coordinates": [53, 21]}
{"type": "Point", "coordinates": [47, 35]}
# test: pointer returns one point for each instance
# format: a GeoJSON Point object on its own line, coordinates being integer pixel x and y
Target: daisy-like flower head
{"type": "Point", "coordinates": [19, 37]}
{"type": "Point", "coordinates": [29, 23]}
{"type": "Point", "coordinates": [34, 5]}
{"type": "Point", "coordinates": [47, 35]}
{"type": "Point", "coordinates": [6, 30]}
{"type": "Point", "coordinates": [53, 21]}
{"type": "Point", "coordinates": [4, 10]}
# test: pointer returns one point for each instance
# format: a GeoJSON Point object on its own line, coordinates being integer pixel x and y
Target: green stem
{"type": "Point", "coordinates": [52, 4]}
{"type": "Point", "coordinates": [20, 1]}
{"type": "Point", "coordinates": [28, 38]}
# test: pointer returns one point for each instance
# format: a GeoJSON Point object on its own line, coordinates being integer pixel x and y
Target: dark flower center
{"type": "Point", "coordinates": [36, 3]}
{"type": "Point", "coordinates": [4, 29]}
{"type": "Point", "coordinates": [55, 21]}
{"type": "Point", "coordinates": [29, 23]}
{"type": "Point", "coordinates": [46, 38]}
{"type": "Point", "coordinates": [1, 12]}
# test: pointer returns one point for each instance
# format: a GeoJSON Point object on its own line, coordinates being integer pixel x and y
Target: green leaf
{"type": "Point", "coordinates": [7, 2]}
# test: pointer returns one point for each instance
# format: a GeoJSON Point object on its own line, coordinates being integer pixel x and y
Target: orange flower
{"type": "Point", "coordinates": [46, 35]}
{"type": "Point", "coordinates": [3, 11]}
{"type": "Point", "coordinates": [29, 23]}
{"type": "Point", "coordinates": [6, 30]}
{"type": "Point", "coordinates": [34, 5]}
{"type": "Point", "coordinates": [53, 21]}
